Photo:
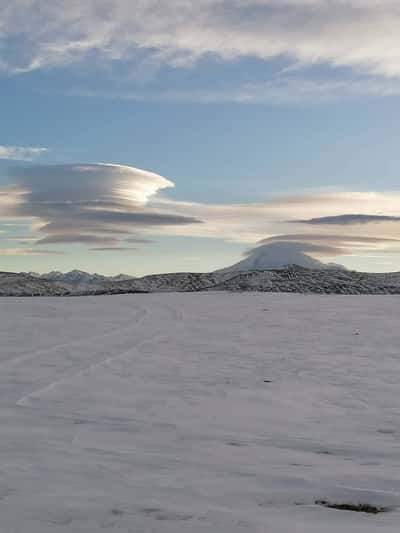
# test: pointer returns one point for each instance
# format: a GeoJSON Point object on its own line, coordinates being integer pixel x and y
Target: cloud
{"type": "Point", "coordinates": [99, 204]}
{"type": "Point", "coordinates": [110, 185]}
{"type": "Point", "coordinates": [327, 248]}
{"type": "Point", "coordinates": [113, 249]}
{"type": "Point", "coordinates": [279, 216]}
{"type": "Point", "coordinates": [360, 34]}
{"type": "Point", "coordinates": [344, 220]}
{"type": "Point", "coordinates": [105, 207]}
{"type": "Point", "coordinates": [74, 239]}
{"type": "Point", "coordinates": [325, 245]}
{"type": "Point", "coordinates": [336, 240]}
{"type": "Point", "coordinates": [28, 251]}
{"type": "Point", "coordinates": [282, 220]}
{"type": "Point", "coordinates": [138, 240]}
{"type": "Point", "coordinates": [21, 153]}
{"type": "Point", "coordinates": [280, 90]}
{"type": "Point", "coordinates": [306, 250]}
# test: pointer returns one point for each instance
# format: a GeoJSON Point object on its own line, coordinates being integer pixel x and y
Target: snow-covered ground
{"type": "Point", "coordinates": [150, 413]}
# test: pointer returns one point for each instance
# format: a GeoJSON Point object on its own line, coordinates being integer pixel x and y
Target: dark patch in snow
{"type": "Point", "coordinates": [357, 507]}
{"type": "Point", "coordinates": [386, 431]}
{"type": "Point", "coordinates": [117, 512]}
{"type": "Point", "coordinates": [150, 510]}
{"type": "Point", "coordinates": [79, 422]}
{"type": "Point", "coordinates": [160, 514]}
{"type": "Point", "coordinates": [61, 521]}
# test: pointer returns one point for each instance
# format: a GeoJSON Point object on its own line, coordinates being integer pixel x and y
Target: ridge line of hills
{"type": "Point", "coordinates": [290, 278]}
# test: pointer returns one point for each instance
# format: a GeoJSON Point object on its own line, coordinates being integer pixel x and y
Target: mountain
{"type": "Point", "coordinates": [292, 278]}
{"type": "Point", "coordinates": [275, 255]}
{"type": "Point", "coordinates": [298, 279]}
{"type": "Point", "coordinates": [12, 284]}
{"type": "Point", "coordinates": [81, 280]}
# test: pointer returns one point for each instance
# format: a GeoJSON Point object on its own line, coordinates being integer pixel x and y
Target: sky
{"type": "Point", "coordinates": [145, 136]}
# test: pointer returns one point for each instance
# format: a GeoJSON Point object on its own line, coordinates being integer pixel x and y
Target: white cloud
{"type": "Point", "coordinates": [281, 219]}
{"type": "Point", "coordinates": [21, 153]}
{"type": "Point", "coordinates": [27, 251]}
{"type": "Point", "coordinates": [88, 204]}
{"type": "Point", "coordinates": [361, 34]}
{"type": "Point", "coordinates": [280, 90]}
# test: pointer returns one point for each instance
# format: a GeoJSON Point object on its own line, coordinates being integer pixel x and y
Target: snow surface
{"type": "Point", "coordinates": [150, 413]}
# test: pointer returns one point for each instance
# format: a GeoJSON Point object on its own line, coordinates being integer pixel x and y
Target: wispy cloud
{"type": "Point", "coordinates": [280, 90]}
{"type": "Point", "coordinates": [344, 220]}
{"type": "Point", "coordinates": [282, 219]}
{"type": "Point", "coordinates": [65, 238]}
{"type": "Point", "coordinates": [361, 34]}
{"type": "Point", "coordinates": [21, 153]}
{"type": "Point", "coordinates": [113, 249]}
{"type": "Point", "coordinates": [28, 251]}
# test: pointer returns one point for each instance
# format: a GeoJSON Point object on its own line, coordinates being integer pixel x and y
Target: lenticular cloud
{"type": "Point", "coordinates": [87, 203]}
{"type": "Point", "coordinates": [113, 185]}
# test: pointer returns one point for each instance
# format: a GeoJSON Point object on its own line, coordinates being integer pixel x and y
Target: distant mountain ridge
{"type": "Point", "coordinates": [260, 270]}
{"type": "Point", "coordinates": [291, 278]}
{"type": "Point", "coordinates": [79, 278]}
{"type": "Point", "coordinates": [264, 257]}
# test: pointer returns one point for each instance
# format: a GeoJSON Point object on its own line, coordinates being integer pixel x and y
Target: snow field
{"type": "Point", "coordinates": [200, 412]}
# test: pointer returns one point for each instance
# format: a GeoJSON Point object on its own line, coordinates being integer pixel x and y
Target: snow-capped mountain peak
{"type": "Point", "coordinates": [275, 255]}
{"type": "Point", "coordinates": [81, 278]}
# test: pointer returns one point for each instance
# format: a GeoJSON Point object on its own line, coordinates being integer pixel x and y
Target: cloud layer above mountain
{"type": "Point", "coordinates": [361, 34]}
{"type": "Point", "coordinates": [112, 207]}
{"type": "Point", "coordinates": [288, 218]}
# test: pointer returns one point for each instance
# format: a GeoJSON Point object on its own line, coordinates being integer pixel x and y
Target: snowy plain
{"type": "Point", "coordinates": [199, 412]}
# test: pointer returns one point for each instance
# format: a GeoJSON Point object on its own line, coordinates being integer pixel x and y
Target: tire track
{"type": "Point", "coordinates": [22, 358]}
{"type": "Point", "coordinates": [27, 373]}
{"type": "Point", "coordinates": [133, 349]}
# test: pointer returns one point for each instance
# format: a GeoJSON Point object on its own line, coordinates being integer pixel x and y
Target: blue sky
{"type": "Point", "coordinates": [262, 115]}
